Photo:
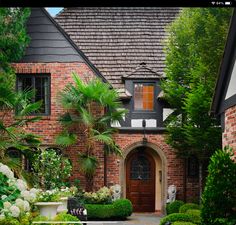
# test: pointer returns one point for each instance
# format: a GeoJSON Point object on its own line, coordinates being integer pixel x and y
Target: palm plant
{"type": "Point", "coordinates": [12, 133]}
{"type": "Point", "coordinates": [82, 101]}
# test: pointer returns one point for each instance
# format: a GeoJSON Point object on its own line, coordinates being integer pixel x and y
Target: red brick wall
{"type": "Point", "coordinates": [229, 135]}
{"type": "Point", "coordinates": [49, 127]}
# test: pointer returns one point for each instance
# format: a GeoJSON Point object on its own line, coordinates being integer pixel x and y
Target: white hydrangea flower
{"type": "Point", "coordinates": [26, 206]}
{"type": "Point", "coordinates": [3, 197]}
{"type": "Point", "coordinates": [2, 217]}
{"type": "Point", "coordinates": [21, 185]}
{"type": "Point", "coordinates": [6, 171]}
{"type": "Point", "coordinates": [6, 205]}
{"type": "Point", "coordinates": [20, 203]}
{"type": "Point", "coordinates": [15, 211]}
{"type": "Point", "coordinates": [34, 190]}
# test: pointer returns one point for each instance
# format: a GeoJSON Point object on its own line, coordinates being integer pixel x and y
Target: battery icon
{"type": "Point", "coordinates": [227, 3]}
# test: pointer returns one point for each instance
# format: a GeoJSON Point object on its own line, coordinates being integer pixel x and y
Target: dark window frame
{"type": "Point", "coordinates": [33, 76]}
{"type": "Point", "coordinates": [154, 97]}
{"type": "Point", "coordinates": [192, 167]}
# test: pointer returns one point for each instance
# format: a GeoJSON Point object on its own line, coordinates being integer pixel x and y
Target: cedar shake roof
{"type": "Point", "coordinates": [120, 41]}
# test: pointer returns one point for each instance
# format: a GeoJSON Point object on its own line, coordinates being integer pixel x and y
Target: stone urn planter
{"type": "Point", "coordinates": [63, 207]}
{"type": "Point", "coordinates": [48, 209]}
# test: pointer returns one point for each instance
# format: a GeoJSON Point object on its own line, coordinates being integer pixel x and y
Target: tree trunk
{"type": "Point", "coordinates": [200, 181]}
{"type": "Point", "coordinates": [88, 183]}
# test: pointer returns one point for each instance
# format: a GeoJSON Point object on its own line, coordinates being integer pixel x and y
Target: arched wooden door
{"type": "Point", "coordinates": [140, 181]}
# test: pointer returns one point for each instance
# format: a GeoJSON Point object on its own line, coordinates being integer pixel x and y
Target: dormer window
{"type": "Point", "coordinates": [144, 96]}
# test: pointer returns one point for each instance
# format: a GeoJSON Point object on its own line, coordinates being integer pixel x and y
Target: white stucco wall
{"type": "Point", "coordinates": [232, 84]}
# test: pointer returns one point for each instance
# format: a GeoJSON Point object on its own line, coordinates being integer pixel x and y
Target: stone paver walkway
{"type": "Point", "coordinates": [134, 219]}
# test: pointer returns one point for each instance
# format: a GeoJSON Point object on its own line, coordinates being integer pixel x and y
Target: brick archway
{"type": "Point", "coordinates": [161, 171]}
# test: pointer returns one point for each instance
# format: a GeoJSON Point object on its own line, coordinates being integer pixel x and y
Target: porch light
{"type": "Point", "coordinates": [144, 132]}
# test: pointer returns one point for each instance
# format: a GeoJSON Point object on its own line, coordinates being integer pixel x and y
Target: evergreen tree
{"type": "Point", "coordinates": [193, 53]}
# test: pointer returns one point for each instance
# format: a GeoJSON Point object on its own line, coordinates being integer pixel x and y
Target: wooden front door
{"type": "Point", "coordinates": [140, 181]}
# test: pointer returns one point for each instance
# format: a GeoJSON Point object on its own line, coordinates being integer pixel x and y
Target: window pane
{"type": "Point", "coordinates": [40, 84]}
{"type": "Point", "coordinates": [41, 87]}
{"type": "Point", "coordinates": [143, 96]}
{"type": "Point", "coordinates": [140, 168]}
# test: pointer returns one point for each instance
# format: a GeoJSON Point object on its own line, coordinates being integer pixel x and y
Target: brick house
{"type": "Point", "coordinates": [224, 101]}
{"type": "Point", "coordinates": [122, 46]}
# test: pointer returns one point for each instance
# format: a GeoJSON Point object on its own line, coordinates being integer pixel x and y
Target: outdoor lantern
{"type": "Point", "coordinates": [144, 132]}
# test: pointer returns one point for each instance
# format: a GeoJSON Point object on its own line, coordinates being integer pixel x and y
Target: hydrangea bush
{"type": "Point", "coordinates": [102, 196]}
{"type": "Point", "coordinates": [16, 197]}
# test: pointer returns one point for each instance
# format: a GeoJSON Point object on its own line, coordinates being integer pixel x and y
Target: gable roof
{"type": "Point", "coordinates": [118, 39]}
{"type": "Point", "coordinates": [50, 43]}
{"type": "Point", "coordinates": [218, 103]}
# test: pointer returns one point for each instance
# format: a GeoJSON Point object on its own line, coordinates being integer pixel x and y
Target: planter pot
{"type": "Point", "coordinates": [63, 207]}
{"type": "Point", "coordinates": [48, 209]}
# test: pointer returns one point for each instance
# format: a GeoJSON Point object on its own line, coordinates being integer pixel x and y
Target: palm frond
{"type": "Point", "coordinates": [66, 139]}
{"type": "Point", "coordinates": [87, 164]}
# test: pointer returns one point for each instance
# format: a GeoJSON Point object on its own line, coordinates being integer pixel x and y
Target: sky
{"type": "Point", "coordinates": [53, 11]}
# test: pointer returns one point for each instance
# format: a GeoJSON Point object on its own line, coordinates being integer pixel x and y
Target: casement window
{"type": "Point", "coordinates": [144, 96]}
{"type": "Point", "coordinates": [40, 83]}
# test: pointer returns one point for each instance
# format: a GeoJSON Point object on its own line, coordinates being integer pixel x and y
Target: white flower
{"type": "Point", "coordinates": [2, 217]}
{"type": "Point", "coordinates": [6, 171]}
{"type": "Point", "coordinates": [15, 211]}
{"type": "Point", "coordinates": [26, 195]}
{"type": "Point", "coordinates": [34, 190]}
{"type": "Point", "coordinates": [3, 197]}
{"type": "Point", "coordinates": [21, 185]}
{"type": "Point", "coordinates": [6, 205]}
{"type": "Point", "coordinates": [20, 203]}
{"type": "Point", "coordinates": [26, 206]}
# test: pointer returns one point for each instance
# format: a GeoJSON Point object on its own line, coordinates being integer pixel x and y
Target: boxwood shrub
{"type": "Point", "coordinates": [176, 217]}
{"type": "Point", "coordinates": [119, 209]}
{"type": "Point", "coordinates": [122, 208]}
{"type": "Point", "coordinates": [184, 208]}
{"type": "Point", "coordinates": [182, 223]}
{"type": "Point", "coordinates": [173, 207]}
{"type": "Point", "coordinates": [195, 214]}
{"type": "Point", "coordinates": [99, 211]}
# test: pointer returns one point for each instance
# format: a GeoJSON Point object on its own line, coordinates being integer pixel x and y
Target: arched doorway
{"type": "Point", "coordinates": [140, 180]}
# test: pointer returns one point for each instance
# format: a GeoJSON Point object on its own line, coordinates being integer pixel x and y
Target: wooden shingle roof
{"type": "Point", "coordinates": [117, 40]}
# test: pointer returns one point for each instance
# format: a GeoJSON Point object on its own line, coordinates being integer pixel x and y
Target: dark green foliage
{"type": "Point", "coordinates": [122, 208]}
{"type": "Point", "coordinates": [219, 197]}
{"type": "Point", "coordinates": [173, 207]}
{"type": "Point", "coordinates": [119, 209]}
{"type": "Point", "coordinates": [97, 211]}
{"type": "Point", "coordinates": [176, 217]}
{"type": "Point", "coordinates": [184, 208]}
{"type": "Point", "coordinates": [182, 223]}
{"type": "Point", "coordinates": [225, 221]}
{"type": "Point", "coordinates": [9, 190]}
{"type": "Point", "coordinates": [196, 215]}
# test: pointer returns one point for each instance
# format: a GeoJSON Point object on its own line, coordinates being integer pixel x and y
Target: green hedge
{"type": "Point", "coordinates": [97, 211]}
{"type": "Point", "coordinates": [173, 207]}
{"type": "Point", "coordinates": [122, 208]}
{"type": "Point", "coordinates": [176, 217]}
{"type": "Point", "coordinates": [195, 214]}
{"type": "Point", "coordinates": [119, 209]}
{"type": "Point", "coordinates": [182, 223]}
{"type": "Point", "coordinates": [184, 208]}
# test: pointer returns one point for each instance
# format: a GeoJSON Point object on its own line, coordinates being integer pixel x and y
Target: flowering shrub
{"type": "Point", "coordinates": [48, 196]}
{"type": "Point", "coordinates": [66, 192]}
{"type": "Point", "coordinates": [102, 196]}
{"type": "Point", "coordinates": [15, 198]}
{"type": "Point", "coordinates": [51, 169]}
